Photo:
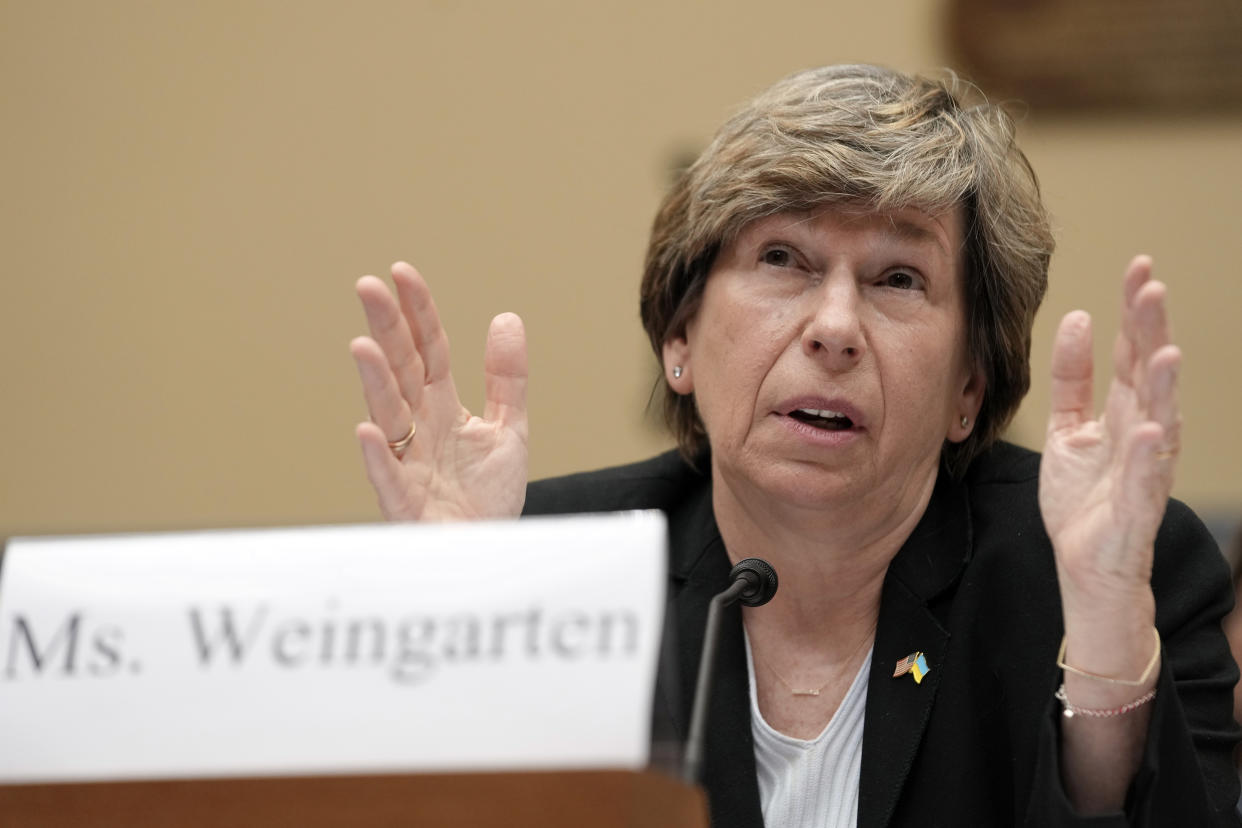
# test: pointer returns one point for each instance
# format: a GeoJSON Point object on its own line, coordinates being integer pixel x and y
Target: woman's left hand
{"type": "Point", "coordinates": [1103, 486]}
{"type": "Point", "coordinates": [1104, 482]}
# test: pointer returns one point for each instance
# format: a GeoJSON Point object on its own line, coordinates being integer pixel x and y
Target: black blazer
{"type": "Point", "coordinates": [974, 588]}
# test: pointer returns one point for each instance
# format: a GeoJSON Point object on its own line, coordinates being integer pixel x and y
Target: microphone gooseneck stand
{"type": "Point", "coordinates": [753, 582]}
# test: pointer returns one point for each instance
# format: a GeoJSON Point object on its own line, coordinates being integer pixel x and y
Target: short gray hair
{"type": "Point", "coordinates": [871, 137]}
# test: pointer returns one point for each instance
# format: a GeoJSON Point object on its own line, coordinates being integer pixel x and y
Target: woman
{"type": "Point", "coordinates": [841, 291]}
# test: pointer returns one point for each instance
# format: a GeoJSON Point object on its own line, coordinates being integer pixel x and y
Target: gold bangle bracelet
{"type": "Point", "coordinates": [1141, 680]}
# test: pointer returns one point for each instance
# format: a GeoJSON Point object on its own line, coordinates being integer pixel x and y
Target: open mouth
{"type": "Point", "coordinates": [822, 419]}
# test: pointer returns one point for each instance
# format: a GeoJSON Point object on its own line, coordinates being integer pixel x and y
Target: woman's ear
{"type": "Point", "coordinates": [677, 370]}
{"type": "Point", "coordinates": [968, 403]}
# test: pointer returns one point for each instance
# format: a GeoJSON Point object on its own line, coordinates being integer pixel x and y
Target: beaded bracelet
{"type": "Point", "coordinates": [1072, 710]}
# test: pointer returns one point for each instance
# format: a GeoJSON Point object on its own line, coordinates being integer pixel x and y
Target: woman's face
{"type": "Point", "coordinates": [827, 358]}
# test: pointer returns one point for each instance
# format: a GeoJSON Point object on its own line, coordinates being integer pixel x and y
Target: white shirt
{"type": "Point", "coordinates": [811, 783]}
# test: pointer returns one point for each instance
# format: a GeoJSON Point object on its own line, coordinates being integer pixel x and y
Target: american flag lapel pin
{"type": "Point", "coordinates": [915, 664]}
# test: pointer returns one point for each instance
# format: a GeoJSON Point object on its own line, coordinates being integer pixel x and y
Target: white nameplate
{"type": "Point", "coordinates": [368, 649]}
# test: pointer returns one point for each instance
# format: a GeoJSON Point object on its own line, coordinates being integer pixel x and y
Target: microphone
{"type": "Point", "coordinates": [760, 579]}
{"type": "Point", "coordinates": [753, 582]}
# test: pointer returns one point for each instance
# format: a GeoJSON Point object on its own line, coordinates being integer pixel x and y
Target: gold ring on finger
{"type": "Point", "coordinates": [1165, 454]}
{"type": "Point", "coordinates": [398, 447]}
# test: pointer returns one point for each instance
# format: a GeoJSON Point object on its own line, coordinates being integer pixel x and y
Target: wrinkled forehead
{"type": "Point", "coordinates": [942, 230]}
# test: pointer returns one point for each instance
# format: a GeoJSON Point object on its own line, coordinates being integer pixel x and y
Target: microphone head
{"type": "Point", "coordinates": [760, 578]}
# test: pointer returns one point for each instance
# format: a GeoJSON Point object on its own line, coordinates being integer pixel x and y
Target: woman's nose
{"type": "Point", "coordinates": [833, 330]}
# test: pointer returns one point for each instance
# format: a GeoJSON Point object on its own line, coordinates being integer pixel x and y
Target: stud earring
{"type": "Point", "coordinates": [965, 421]}
{"type": "Point", "coordinates": [676, 372]}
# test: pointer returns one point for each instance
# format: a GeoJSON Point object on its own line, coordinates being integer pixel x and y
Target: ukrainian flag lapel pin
{"type": "Point", "coordinates": [915, 664]}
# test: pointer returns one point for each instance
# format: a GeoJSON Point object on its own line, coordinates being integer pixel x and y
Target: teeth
{"type": "Point", "coordinates": [819, 412]}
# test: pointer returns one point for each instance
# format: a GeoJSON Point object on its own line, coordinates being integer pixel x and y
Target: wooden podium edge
{"type": "Point", "coordinates": [624, 799]}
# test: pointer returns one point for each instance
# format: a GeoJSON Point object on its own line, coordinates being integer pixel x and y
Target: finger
{"type": "Point", "coordinates": [1163, 407]}
{"type": "Point", "coordinates": [387, 406]}
{"type": "Point", "coordinates": [1152, 328]}
{"type": "Point", "coordinates": [424, 321]}
{"type": "Point", "coordinates": [384, 471]}
{"type": "Point", "coordinates": [1147, 476]}
{"type": "Point", "coordinates": [1072, 390]}
{"type": "Point", "coordinates": [1124, 358]}
{"type": "Point", "coordinates": [1150, 325]}
{"type": "Point", "coordinates": [391, 331]}
{"type": "Point", "coordinates": [505, 372]}
{"type": "Point", "coordinates": [1138, 272]}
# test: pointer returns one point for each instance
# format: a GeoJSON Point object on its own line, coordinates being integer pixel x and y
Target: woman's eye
{"type": "Point", "coordinates": [901, 280]}
{"type": "Point", "coordinates": [777, 257]}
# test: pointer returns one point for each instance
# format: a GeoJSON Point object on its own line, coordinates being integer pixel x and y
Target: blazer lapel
{"type": "Point", "coordinates": [898, 708]}
{"type": "Point", "coordinates": [926, 567]}
{"type": "Point", "coordinates": [700, 571]}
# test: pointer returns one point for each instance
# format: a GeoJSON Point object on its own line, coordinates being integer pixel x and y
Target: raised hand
{"type": "Point", "coordinates": [1103, 487]}
{"type": "Point", "coordinates": [457, 466]}
{"type": "Point", "coordinates": [1104, 482]}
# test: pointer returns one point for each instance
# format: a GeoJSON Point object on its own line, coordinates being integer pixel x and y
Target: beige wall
{"type": "Point", "coordinates": [190, 191]}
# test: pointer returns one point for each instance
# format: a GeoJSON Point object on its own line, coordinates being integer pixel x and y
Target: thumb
{"type": "Point", "coordinates": [1072, 389]}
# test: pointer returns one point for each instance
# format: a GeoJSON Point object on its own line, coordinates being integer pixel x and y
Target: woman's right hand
{"type": "Point", "coordinates": [458, 466]}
